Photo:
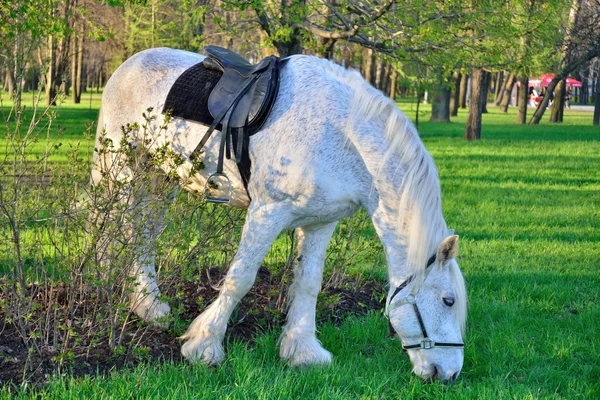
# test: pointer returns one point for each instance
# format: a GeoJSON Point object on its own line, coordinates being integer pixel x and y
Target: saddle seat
{"type": "Point", "coordinates": [224, 59]}
{"type": "Point", "coordinates": [245, 90]}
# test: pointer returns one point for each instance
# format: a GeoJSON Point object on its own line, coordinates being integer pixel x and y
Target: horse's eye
{"type": "Point", "coordinates": [449, 301]}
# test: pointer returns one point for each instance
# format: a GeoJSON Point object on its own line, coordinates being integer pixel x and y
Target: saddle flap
{"type": "Point", "coordinates": [225, 95]}
{"type": "Point", "coordinates": [264, 92]}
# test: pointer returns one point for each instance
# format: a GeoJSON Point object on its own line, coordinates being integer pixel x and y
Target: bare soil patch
{"type": "Point", "coordinates": [260, 311]}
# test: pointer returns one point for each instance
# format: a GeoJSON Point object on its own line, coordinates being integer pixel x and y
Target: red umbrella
{"type": "Point", "coordinates": [545, 79]}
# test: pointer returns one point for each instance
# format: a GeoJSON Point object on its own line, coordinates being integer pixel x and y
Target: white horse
{"type": "Point", "coordinates": [331, 145]}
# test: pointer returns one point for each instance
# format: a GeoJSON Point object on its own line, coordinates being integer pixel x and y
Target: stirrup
{"type": "Point", "coordinates": [207, 189]}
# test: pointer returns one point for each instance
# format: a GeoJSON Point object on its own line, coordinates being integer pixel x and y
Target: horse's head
{"type": "Point", "coordinates": [428, 312]}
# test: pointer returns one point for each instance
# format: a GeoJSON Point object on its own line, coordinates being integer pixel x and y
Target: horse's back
{"type": "Point", "coordinates": [144, 80]}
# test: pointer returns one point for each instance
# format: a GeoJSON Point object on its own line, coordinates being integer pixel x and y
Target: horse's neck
{"type": "Point", "coordinates": [408, 198]}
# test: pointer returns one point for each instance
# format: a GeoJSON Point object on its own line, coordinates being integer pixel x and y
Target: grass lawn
{"type": "Point", "coordinates": [526, 202]}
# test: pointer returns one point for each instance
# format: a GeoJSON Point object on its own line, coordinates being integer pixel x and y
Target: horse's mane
{"type": "Point", "coordinates": [420, 203]}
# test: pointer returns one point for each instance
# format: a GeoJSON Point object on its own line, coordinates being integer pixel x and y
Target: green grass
{"type": "Point", "coordinates": [526, 203]}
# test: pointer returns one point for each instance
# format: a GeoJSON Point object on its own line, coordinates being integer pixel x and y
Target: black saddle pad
{"type": "Point", "coordinates": [188, 97]}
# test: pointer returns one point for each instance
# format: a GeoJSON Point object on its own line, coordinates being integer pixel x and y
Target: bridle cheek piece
{"type": "Point", "coordinates": [411, 299]}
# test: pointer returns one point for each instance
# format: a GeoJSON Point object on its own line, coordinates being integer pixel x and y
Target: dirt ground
{"type": "Point", "coordinates": [259, 311]}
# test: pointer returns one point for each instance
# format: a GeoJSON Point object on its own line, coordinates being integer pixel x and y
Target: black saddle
{"type": "Point", "coordinates": [241, 100]}
{"type": "Point", "coordinates": [227, 93]}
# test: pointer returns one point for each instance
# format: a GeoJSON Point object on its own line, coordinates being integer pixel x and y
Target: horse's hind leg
{"type": "Point", "coordinates": [299, 344]}
{"type": "Point", "coordinates": [134, 219]}
{"type": "Point", "coordinates": [144, 295]}
{"type": "Point", "coordinates": [206, 333]}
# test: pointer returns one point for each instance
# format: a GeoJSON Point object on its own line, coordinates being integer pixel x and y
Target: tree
{"type": "Point", "coordinates": [462, 95]}
{"type": "Point", "coordinates": [168, 23]}
{"type": "Point", "coordinates": [473, 128]}
{"type": "Point", "coordinates": [58, 47]}
{"type": "Point", "coordinates": [440, 101]}
{"type": "Point", "coordinates": [597, 99]}
{"type": "Point", "coordinates": [24, 26]}
{"type": "Point", "coordinates": [580, 44]}
{"type": "Point", "coordinates": [455, 94]}
{"type": "Point", "coordinates": [556, 113]}
{"type": "Point", "coordinates": [523, 95]}
{"type": "Point", "coordinates": [507, 92]}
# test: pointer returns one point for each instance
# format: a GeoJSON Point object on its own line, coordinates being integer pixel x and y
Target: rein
{"type": "Point", "coordinates": [411, 299]}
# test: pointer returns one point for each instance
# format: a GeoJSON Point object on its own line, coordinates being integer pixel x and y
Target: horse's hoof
{"type": "Point", "coordinates": [203, 351]}
{"type": "Point", "coordinates": [153, 311]}
{"type": "Point", "coordinates": [304, 352]}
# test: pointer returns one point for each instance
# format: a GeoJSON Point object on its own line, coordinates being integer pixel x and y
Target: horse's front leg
{"type": "Point", "coordinates": [299, 344]}
{"type": "Point", "coordinates": [205, 334]}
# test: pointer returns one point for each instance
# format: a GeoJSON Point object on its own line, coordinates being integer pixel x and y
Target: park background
{"type": "Point", "coordinates": [522, 191]}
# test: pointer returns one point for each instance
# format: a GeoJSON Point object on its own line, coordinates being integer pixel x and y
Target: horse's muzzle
{"type": "Point", "coordinates": [438, 374]}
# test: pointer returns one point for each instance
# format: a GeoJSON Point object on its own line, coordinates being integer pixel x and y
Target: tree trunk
{"type": "Point", "coordinates": [378, 75]}
{"type": "Point", "coordinates": [393, 78]}
{"type": "Point", "coordinates": [507, 93]}
{"type": "Point", "coordinates": [374, 68]}
{"type": "Point", "coordinates": [99, 81]}
{"type": "Point", "coordinates": [79, 67]}
{"type": "Point", "coordinates": [34, 79]}
{"type": "Point", "coordinates": [562, 97]}
{"type": "Point", "coordinates": [523, 99]}
{"type": "Point", "coordinates": [500, 91]}
{"type": "Point", "coordinates": [455, 94]}
{"type": "Point", "coordinates": [557, 105]}
{"type": "Point", "coordinates": [440, 104]}
{"type": "Point", "coordinates": [597, 102]}
{"type": "Point", "coordinates": [74, 69]}
{"type": "Point", "coordinates": [462, 96]}
{"type": "Point", "coordinates": [583, 97]}
{"type": "Point", "coordinates": [10, 82]}
{"type": "Point", "coordinates": [486, 78]}
{"type": "Point", "coordinates": [367, 64]}
{"type": "Point", "coordinates": [499, 87]}
{"type": "Point", "coordinates": [84, 79]}
{"type": "Point", "coordinates": [50, 74]}
{"type": "Point", "coordinates": [77, 85]}
{"type": "Point", "coordinates": [385, 79]}
{"type": "Point", "coordinates": [473, 128]}
{"type": "Point", "coordinates": [419, 94]}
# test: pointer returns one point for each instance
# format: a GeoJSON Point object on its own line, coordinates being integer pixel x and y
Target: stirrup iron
{"type": "Point", "coordinates": [207, 189]}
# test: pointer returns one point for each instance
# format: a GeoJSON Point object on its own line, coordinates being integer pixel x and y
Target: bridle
{"type": "Point", "coordinates": [411, 298]}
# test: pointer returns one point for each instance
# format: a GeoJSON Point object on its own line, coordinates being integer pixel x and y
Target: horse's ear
{"type": "Point", "coordinates": [447, 250]}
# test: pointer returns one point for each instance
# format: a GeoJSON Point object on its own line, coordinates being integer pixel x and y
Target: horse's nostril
{"type": "Point", "coordinates": [451, 379]}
